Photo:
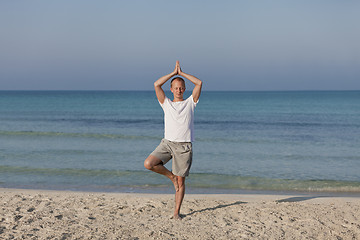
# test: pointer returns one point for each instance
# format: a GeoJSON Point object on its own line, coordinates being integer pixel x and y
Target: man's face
{"type": "Point", "coordinates": [178, 88]}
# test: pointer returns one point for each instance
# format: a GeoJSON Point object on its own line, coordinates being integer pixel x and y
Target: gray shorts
{"type": "Point", "coordinates": [180, 152]}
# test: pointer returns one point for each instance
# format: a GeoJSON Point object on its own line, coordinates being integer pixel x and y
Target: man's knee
{"type": "Point", "coordinates": [181, 181]}
{"type": "Point", "coordinates": [151, 162]}
{"type": "Point", "coordinates": [147, 164]}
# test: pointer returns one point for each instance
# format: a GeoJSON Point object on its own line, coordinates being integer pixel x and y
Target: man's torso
{"type": "Point", "coordinates": [179, 120]}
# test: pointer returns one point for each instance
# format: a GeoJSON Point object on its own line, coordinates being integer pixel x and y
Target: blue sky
{"type": "Point", "coordinates": [230, 45]}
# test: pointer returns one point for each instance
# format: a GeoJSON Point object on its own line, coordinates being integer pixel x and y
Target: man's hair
{"type": "Point", "coordinates": [177, 78]}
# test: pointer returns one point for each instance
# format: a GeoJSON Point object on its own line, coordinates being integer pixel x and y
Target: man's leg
{"type": "Point", "coordinates": [179, 196]}
{"type": "Point", "coordinates": [155, 164]}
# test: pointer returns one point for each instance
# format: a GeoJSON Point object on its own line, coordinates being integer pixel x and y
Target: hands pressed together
{"type": "Point", "coordinates": [177, 70]}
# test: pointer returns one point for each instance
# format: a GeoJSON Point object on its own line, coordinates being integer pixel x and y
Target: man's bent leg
{"type": "Point", "coordinates": [155, 164]}
{"type": "Point", "coordinates": [179, 196]}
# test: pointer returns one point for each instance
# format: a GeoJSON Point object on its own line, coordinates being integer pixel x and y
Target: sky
{"type": "Point", "coordinates": [230, 45]}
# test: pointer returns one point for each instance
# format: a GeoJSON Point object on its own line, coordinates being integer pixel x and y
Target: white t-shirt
{"type": "Point", "coordinates": [179, 119]}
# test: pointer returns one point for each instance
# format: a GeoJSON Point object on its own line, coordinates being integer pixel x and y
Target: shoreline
{"type": "Point", "coordinates": [168, 190]}
{"type": "Point", "coordinates": [248, 195]}
{"type": "Point", "coordinates": [40, 214]}
{"type": "Point", "coordinates": [252, 196]}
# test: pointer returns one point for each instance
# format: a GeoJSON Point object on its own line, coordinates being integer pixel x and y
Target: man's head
{"type": "Point", "coordinates": [177, 87]}
{"type": "Point", "coordinates": [177, 79]}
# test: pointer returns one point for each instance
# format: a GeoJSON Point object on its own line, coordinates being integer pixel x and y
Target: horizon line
{"type": "Point", "coordinates": [125, 90]}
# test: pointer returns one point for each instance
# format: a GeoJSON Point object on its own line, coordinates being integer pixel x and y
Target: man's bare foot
{"type": "Point", "coordinates": [176, 217]}
{"type": "Point", "coordinates": [175, 182]}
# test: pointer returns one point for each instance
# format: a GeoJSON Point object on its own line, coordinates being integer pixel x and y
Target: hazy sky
{"type": "Point", "coordinates": [230, 45]}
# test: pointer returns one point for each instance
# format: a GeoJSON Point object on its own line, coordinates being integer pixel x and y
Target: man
{"type": "Point", "coordinates": [179, 128]}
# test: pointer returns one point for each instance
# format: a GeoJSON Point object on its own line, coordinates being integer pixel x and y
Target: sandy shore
{"type": "Point", "coordinates": [34, 214]}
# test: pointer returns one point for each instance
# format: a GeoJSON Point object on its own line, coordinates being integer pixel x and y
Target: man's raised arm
{"type": "Point", "coordinates": [160, 94]}
{"type": "Point", "coordinates": [198, 84]}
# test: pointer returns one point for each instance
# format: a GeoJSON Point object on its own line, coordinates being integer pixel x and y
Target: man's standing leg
{"type": "Point", "coordinates": [179, 196]}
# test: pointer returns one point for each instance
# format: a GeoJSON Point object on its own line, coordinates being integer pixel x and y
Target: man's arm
{"type": "Point", "coordinates": [198, 84]}
{"type": "Point", "coordinates": [160, 94]}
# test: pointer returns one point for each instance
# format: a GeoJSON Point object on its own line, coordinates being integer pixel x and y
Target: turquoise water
{"type": "Point", "coordinates": [276, 141]}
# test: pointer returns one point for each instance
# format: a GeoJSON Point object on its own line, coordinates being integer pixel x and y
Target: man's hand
{"type": "Point", "coordinates": [177, 68]}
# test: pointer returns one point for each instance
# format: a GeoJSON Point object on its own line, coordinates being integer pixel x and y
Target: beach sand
{"type": "Point", "coordinates": [39, 214]}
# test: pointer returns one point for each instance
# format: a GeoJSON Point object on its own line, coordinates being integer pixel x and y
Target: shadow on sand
{"type": "Point", "coordinates": [286, 200]}
{"type": "Point", "coordinates": [299, 199]}
{"type": "Point", "coordinates": [214, 208]}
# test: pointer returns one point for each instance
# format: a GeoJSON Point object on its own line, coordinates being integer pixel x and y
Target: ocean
{"type": "Point", "coordinates": [288, 141]}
